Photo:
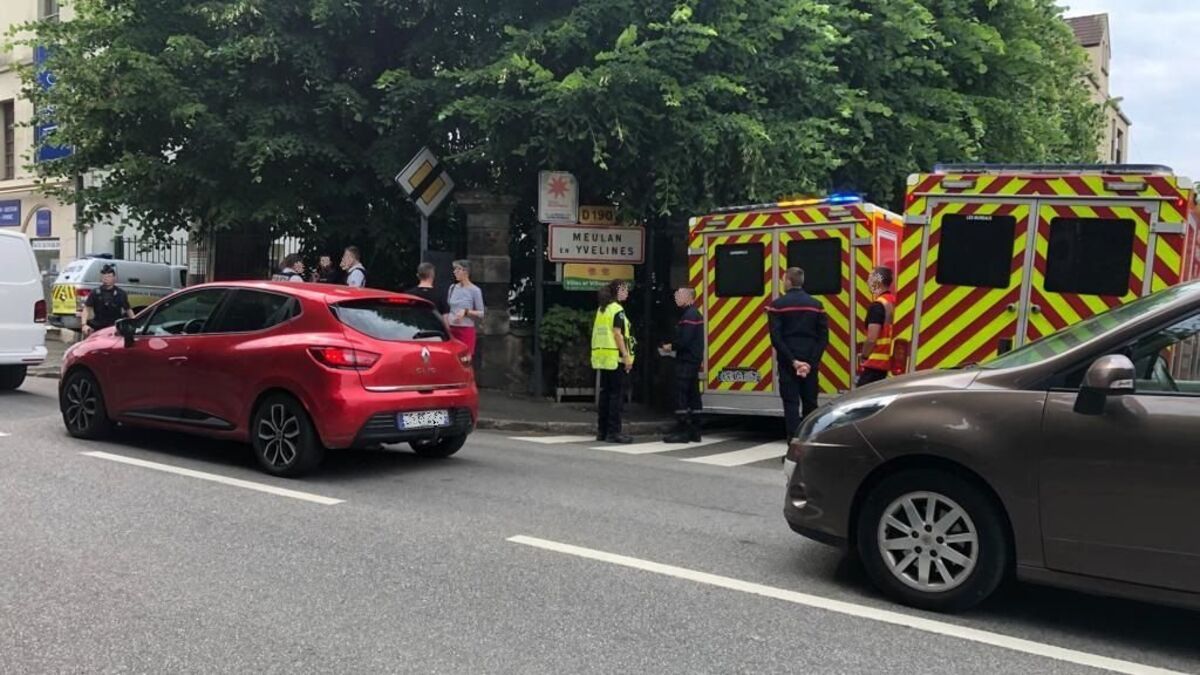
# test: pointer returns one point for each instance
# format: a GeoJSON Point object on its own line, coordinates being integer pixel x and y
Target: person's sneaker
{"type": "Point", "coordinates": [676, 437]}
{"type": "Point", "coordinates": [620, 439]}
{"type": "Point", "coordinates": [599, 438]}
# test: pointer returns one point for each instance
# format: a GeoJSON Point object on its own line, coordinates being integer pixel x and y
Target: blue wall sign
{"type": "Point", "coordinates": [45, 124]}
{"type": "Point", "coordinates": [43, 223]}
{"type": "Point", "coordinates": [10, 213]}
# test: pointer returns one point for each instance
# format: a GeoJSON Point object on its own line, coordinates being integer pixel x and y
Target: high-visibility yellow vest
{"type": "Point", "coordinates": [605, 354]}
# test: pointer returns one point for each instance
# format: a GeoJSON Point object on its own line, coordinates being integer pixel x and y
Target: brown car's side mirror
{"type": "Point", "coordinates": [1111, 375]}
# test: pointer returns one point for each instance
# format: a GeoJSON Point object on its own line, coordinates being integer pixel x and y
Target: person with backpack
{"type": "Point", "coordinates": [356, 274]}
{"type": "Point", "coordinates": [292, 270]}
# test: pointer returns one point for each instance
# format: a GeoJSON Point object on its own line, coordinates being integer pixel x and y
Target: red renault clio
{"type": "Point", "coordinates": [293, 369]}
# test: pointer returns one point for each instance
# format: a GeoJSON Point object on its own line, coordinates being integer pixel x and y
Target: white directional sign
{"type": "Point", "coordinates": [579, 243]}
{"type": "Point", "coordinates": [558, 197]}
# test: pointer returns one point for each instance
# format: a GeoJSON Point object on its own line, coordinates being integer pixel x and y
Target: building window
{"type": "Point", "coordinates": [48, 9]}
{"type": "Point", "coordinates": [10, 141]}
{"type": "Point", "coordinates": [1120, 149]}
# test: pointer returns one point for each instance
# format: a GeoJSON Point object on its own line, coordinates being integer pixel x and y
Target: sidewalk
{"type": "Point", "coordinates": [498, 411]}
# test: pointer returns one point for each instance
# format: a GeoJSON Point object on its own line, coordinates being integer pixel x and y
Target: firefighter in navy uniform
{"type": "Point", "coordinates": [105, 304]}
{"type": "Point", "coordinates": [688, 350]}
{"type": "Point", "coordinates": [799, 335]}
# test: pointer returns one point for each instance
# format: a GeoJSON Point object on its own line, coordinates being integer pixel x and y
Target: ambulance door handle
{"type": "Point", "coordinates": [1012, 309]}
{"type": "Point", "coordinates": [1036, 309]}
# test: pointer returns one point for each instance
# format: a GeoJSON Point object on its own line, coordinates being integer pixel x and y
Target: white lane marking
{"type": "Point", "coordinates": [4, 435]}
{"type": "Point", "coordinates": [657, 446]}
{"type": "Point", "coordinates": [553, 440]}
{"type": "Point", "coordinates": [851, 609]}
{"type": "Point", "coordinates": [224, 480]}
{"type": "Point", "coordinates": [748, 456]}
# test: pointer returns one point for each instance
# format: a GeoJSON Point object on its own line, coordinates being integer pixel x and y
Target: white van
{"type": "Point", "coordinates": [144, 282]}
{"type": "Point", "coordinates": [22, 310]}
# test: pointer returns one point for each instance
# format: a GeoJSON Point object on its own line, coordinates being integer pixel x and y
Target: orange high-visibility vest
{"type": "Point", "coordinates": [880, 357]}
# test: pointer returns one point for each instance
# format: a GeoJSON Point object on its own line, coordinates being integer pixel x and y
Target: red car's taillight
{"type": "Point", "coordinates": [344, 357]}
{"type": "Point", "coordinates": [39, 311]}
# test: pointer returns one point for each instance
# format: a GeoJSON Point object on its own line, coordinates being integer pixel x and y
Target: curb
{"type": "Point", "coordinates": [568, 428]}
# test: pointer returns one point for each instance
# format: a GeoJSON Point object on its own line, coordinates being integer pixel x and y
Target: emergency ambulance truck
{"type": "Point", "coordinates": [736, 257]}
{"type": "Point", "coordinates": [996, 256]}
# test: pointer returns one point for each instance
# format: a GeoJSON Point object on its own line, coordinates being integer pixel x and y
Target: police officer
{"type": "Point", "coordinates": [106, 304]}
{"type": "Point", "coordinates": [876, 355]}
{"type": "Point", "coordinates": [612, 357]}
{"type": "Point", "coordinates": [799, 335]}
{"type": "Point", "coordinates": [292, 270]}
{"type": "Point", "coordinates": [688, 350]}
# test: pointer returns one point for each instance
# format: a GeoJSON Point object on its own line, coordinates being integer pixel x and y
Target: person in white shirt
{"type": "Point", "coordinates": [356, 274]}
{"type": "Point", "coordinates": [292, 270]}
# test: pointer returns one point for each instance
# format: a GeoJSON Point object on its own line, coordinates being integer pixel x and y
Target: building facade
{"type": "Point", "coordinates": [49, 223]}
{"type": "Point", "coordinates": [1093, 34]}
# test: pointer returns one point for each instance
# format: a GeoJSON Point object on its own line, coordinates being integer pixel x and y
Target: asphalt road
{"type": "Point", "coordinates": [622, 564]}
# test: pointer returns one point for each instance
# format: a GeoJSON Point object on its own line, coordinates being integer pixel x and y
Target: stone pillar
{"type": "Point", "coordinates": [504, 359]}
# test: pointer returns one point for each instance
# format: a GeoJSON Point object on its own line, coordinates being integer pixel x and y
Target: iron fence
{"type": "Point", "coordinates": [133, 248]}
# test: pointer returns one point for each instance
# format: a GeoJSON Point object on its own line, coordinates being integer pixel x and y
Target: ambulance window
{"type": "Point", "coordinates": [1089, 256]}
{"type": "Point", "coordinates": [976, 251]}
{"type": "Point", "coordinates": [740, 271]}
{"type": "Point", "coordinates": [821, 260]}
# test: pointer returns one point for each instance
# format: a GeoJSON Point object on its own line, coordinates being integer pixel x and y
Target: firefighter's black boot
{"type": "Point", "coordinates": [693, 427]}
{"type": "Point", "coordinates": [680, 433]}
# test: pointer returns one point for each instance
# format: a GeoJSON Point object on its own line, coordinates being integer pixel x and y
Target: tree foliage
{"type": "Point", "coordinates": [292, 115]}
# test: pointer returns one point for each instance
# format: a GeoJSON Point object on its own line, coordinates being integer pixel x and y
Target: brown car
{"type": "Point", "coordinates": [1072, 461]}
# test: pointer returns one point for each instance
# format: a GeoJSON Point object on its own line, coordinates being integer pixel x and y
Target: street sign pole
{"type": "Point", "coordinates": [539, 279]}
{"type": "Point", "coordinates": [424, 236]}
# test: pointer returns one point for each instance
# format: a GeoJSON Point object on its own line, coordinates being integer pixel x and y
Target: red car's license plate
{"type": "Point", "coordinates": [426, 419]}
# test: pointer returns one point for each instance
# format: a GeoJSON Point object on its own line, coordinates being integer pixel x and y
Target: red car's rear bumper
{"type": "Point", "coordinates": [359, 418]}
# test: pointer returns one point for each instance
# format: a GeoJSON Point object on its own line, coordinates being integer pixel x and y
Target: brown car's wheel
{"type": "Point", "coordinates": [285, 442]}
{"type": "Point", "coordinates": [11, 377]}
{"type": "Point", "coordinates": [439, 449]}
{"type": "Point", "coordinates": [82, 406]}
{"type": "Point", "coordinates": [932, 540]}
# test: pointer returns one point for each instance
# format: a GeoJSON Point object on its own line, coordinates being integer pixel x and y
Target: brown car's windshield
{"type": "Point", "coordinates": [1089, 329]}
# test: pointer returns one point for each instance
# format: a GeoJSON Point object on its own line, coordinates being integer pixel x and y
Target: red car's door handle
{"type": "Point", "coordinates": [177, 359]}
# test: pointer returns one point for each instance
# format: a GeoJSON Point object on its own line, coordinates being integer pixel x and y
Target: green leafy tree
{"type": "Point", "coordinates": [292, 116]}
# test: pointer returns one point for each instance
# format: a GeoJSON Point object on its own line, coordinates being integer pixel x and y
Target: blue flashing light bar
{"type": "Point", "coordinates": [843, 198]}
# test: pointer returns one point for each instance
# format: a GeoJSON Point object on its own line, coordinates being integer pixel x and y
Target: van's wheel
{"type": "Point", "coordinates": [439, 449]}
{"type": "Point", "coordinates": [11, 377]}
{"type": "Point", "coordinates": [285, 442]}
{"type": "Point", "coordinates": [82, 406]}
{"type": "Point", "coordinates": [932, 540]}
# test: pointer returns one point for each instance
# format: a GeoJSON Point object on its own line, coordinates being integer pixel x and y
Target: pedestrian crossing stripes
{"type": "Point", "coordinates": [757, 453]}
{"type": "Point", "coordinates": [725, 451]}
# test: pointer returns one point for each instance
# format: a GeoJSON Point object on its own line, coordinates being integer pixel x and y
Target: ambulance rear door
{"type": "Point", "coordinates": [739, 286]}
{"type": "Point", "coordinates": [831, 273]}
{"type": "Point", "coordinates": [968, 299]}
{"type": "Point", "coordinates": [1089, 258]}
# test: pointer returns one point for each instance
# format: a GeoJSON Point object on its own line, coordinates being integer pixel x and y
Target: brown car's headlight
{"type": "Point", "coordinates": [839, 415]}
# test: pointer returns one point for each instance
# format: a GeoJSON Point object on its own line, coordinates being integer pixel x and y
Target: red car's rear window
{"type": "Point", "coordinates": [392, 319]}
